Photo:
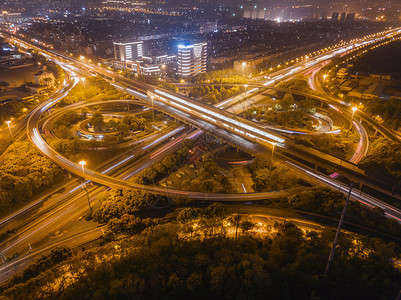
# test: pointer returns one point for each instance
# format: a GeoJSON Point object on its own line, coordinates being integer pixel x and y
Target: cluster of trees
{"type": "Point", "coordinates": [267, 177]}
{"type": "Point", "coordinates": [25, 174]}
{"type": "Point", "coordinates": [383, 160]}
{"type": "Point", "coordinates": [115, 203]}
{"type": "Point", "coordinates": [213, 211]}
{"type": "Point", "coordinates": [296, 85]}
{"type": "Point", "coordinates": [76, 149]}
{"type": "Point", "coordinates": [13, 109]}
{"type": "Point", "coordinates": [162, 263]}
{"type": "Point", "coordinates": [212, 95]}
{"type": "Point", "coordinates": [159, 170]}
{"type": "Point", "coordinates": [95, 89]}
{"type": "Point", "coordinates": [128, 225]}
{"type": "Point", "coordinates": [388, 110]}
{"type": "Point", "coordinates": [70, 145]}
{"type": "Point", "coordinates": [29, 276]}
{"type": "Point", "coordinates": [288, 118]}
{"type": "Point", "coordinates": [328, 202]}
{"type": "Point", "coordinates": [208, 177]}
{"type": "Point", "coordinates": [222, 76]}
{"type": "Point", "coordinates": [338, 145]}
{"type": "Point", "coordinates": [288, 113]}
{"type": "Point", "coordinates": [125, 126]}
{"type": "Point", "coordinates": [61, 125]}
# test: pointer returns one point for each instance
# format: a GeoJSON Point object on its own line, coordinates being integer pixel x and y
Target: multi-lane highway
{"type": "Point", "coordinates": [237, 131]}
{"type": "Point", "coordinates": [244, 133]}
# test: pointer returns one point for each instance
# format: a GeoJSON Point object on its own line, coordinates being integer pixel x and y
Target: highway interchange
{"type": "Point", "coordinates": [235, 130]}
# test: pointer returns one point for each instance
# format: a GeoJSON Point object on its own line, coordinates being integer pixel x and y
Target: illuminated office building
{"type": "Point", "coordinates": [192, 59]}
{"type": "Point", "coordinates": [128, 52]}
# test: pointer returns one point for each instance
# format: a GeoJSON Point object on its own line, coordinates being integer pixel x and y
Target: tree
{"type": "Point", "coordinates": [246, 226]}
{"type": "Point", "coordinates": [287, 101]}
{"type": "Point", "coordinates": [188, 214]}
{"type": "Point", "coordinates": [97, 121]}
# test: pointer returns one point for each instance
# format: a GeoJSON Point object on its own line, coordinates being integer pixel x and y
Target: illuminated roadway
{"type": "Point", "coordinates": [242, 128]}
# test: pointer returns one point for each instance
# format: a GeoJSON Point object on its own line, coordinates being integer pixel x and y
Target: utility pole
{"type": "Point", "coordinates": [340, 224]}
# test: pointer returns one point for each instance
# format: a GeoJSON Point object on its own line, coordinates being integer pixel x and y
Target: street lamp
{"type": "Point", "coordinates": [354, 109]}
{"type": "Point", "coordinates": [11, 134]}
{"type": "Point", "coordinates": [324, 77]}
{"type": "Point", "coordinates": [271, 160]}
{"type": "Point", "coordinates": [243, 67]}
{"type": "Point", "coordinates": [83, 163]}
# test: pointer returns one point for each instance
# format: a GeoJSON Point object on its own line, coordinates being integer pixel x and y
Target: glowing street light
{"type": "Point", "coordinates": [354, 109]}
{"type": "Point", "coordinates": [324, 77]}
{"type": "Point", "coordinates": [83, 163]}
{"type": "Point", "coordinates": [83, 81]}
{"type": "Point", "coordinates": [243, 67]}
{"type": "Point", "coordinates": [11, 134]}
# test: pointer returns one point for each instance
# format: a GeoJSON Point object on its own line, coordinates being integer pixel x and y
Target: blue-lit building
{"type": "Point", "coordinates": [191, 59]}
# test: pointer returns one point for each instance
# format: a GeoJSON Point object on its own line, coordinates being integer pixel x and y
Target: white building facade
{"type": "Point", "coordinates": [191, 59]}
{"type": "Point", "coordinates": [128, 52]}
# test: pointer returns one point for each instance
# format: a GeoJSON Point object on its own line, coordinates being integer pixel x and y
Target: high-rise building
{"type": "Point", "coordinates": [334, 16]}
{"type": "Point", "coordinates": [192, 59]}
{"type": "Point", "coordinates": [350, 17]}
{"type": "Point", "coordinates": [7, 17]}
{"type": "Point", "coordinates": [128, 52]}
{"type": "Point", "coordinates": [343, 16]}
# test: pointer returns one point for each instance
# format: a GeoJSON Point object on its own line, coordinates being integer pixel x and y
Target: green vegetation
{"type": "Point", "coordinates": [95, 89]}
{"type": "Point", "coordinates": [32, 274]}
{"type": "Point", "coordinates": [338, 145]}
{"type": "Point", "coordinates": [61, 125]}
{"type": "Point", "coordinates": [388, 110]}
{"type": "Point", "coordinates": [212, 95]}
{"type": "Point", "coordinates": [297, 84]}
{"type": "Point", "coordinates": [288, 119]}
{"type": "Point", "coordinates": [279, 177]}
{"type": "Point", "coordinates": [24, 175]}
{"type": "Point", "coordinates": [328, 202]}
{"type": "Point", "coordinates": [383, 160]}
{"type": "Point", "coordinates": [159, 170]}
{"type": "Point", "coordinates": [222, 76]}
{"type": "Point", "coordinates": [173, 262]}
{"type": "Point", "coordinates": [116, 203]}
{"type": "Point", "coordinates": [124, 126]}
{"type": "Point", "coordinates": [208, 176]}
